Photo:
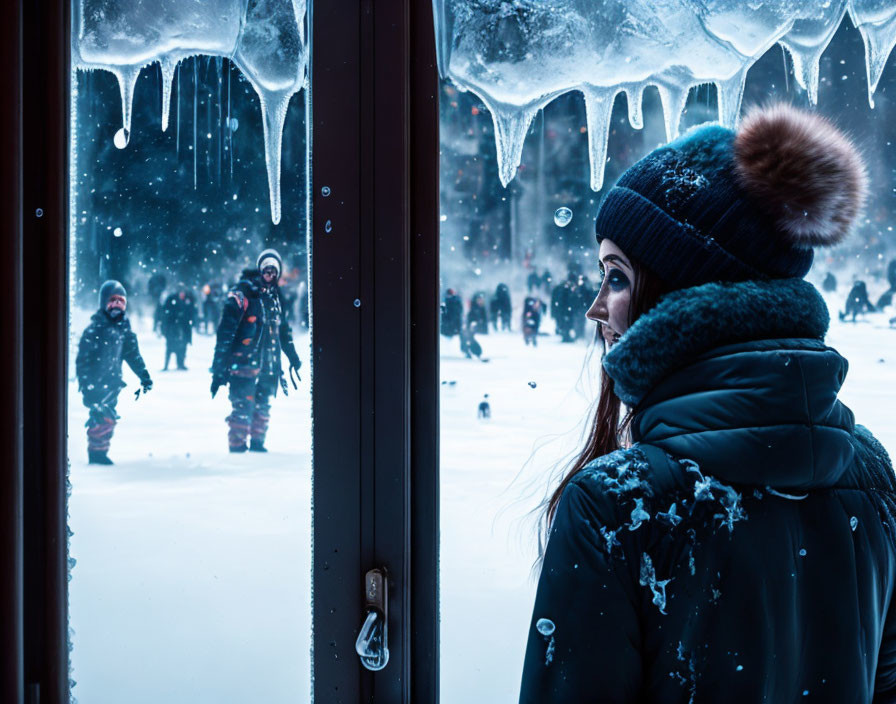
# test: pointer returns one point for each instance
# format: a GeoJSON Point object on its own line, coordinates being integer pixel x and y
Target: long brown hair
{"type": "Point", "coordinates": [606, 428]}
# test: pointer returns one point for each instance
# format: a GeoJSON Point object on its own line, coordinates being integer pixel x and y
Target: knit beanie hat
{"type": "Point", "coordinates": [109, 289]}
{"type": "Point", "coordinates": [270, 257]}
{"type": "Point", "coordinates": [719, 205]}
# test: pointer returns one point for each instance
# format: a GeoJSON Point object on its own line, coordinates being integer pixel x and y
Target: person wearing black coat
{"type": "Point", "coordinates": [733, 538]}
{"type": "Point", "coordinates": [211, 306]}
{"type": "Point", "coordinates": [531, 320]}
{"type": "Point", "coordinates": [106, 341]}
{"type": "Point", "coordinates": [452, 314]}
{"type": "Point", "coordinates": [477, 316]}
{"type": "Point", "coordinates": [886, 298]}
{"type": "Point", "coordinates": [857, 302]}
{"type": "Point", "coordinates": [564, 308]}
{"type": "Point", "coordinates": [178, 316]}
{"type": "Point", "coordinates": [501, 308]}
{"type": "Point", "coordinates": [252, 335]}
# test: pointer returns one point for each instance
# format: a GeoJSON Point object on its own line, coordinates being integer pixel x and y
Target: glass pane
{"type": "Point", "coordinates": [533, 99]}
{"type": "Point", "coordinates": [190, 505]}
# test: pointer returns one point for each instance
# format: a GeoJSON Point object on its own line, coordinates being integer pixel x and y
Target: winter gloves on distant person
{"type": "Point", "coordinates": [146, 383]}
{"type": "Point", "coordinates": [294, 364]}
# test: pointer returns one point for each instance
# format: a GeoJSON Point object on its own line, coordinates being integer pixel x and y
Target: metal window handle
{"type": "Point", "coordinates": [372, 644]}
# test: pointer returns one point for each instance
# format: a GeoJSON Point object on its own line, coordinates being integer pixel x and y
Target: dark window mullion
{"type": "Point", "coordinates": [375, 125]}
{"type": "Point", "coordinates": [334, 109]}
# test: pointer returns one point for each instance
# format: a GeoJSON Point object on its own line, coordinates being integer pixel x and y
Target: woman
{"type": "Point", "coordinates": [732, 538]}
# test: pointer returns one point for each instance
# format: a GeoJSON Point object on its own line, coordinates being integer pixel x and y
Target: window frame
{"type": "Point", "coordinates": [374, 118]}
{"type": "Point", "coordinates": [375, 403]}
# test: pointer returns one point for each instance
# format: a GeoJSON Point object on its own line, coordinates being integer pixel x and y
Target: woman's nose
{"type": "Point", "coordinates": [598, 310]}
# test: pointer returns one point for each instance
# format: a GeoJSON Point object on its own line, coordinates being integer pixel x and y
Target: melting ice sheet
{"type": "Point", "coordinates": [264, 38]}
{"type": "Point", "coordinates": [518, 55]}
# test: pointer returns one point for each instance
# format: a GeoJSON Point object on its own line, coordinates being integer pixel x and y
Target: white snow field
{"type": "Point", "coordinates": [192, 580]}
{"type": "Point", "coordinates": [193, 566]}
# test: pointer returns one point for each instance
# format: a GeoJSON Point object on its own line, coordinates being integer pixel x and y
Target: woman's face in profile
{"type": "Point", "coordinates": [612, 306]}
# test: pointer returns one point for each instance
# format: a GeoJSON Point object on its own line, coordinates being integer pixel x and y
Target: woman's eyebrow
{"type": "Point", "coordinates": [616, 258]}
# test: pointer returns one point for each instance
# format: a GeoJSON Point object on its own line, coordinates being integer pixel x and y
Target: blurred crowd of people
{"type": "Point", "coordinates": [566, 304]}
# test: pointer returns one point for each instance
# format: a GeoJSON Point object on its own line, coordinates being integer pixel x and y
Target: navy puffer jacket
{"type": "Point", "coordinates": [253, 331]}
{"type": "Point", "coordinates": [743, 549]}
{"type": "Point", "coordinates": [103, 345]}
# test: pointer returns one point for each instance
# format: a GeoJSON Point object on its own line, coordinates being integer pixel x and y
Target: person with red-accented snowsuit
{"type": "Point", "coordinates": [251, 336]}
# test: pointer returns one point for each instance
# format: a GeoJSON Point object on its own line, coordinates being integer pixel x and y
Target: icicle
{"type": "Point", "coordinates": [511, 125]}
{"type": "Point", "coordinates": [229, 121]}
{"type": "Point", "coordinates": [273, 110]}
{"type": "Point", "coordinates": [598, 109]}
{"type": "Point", "coordinates": [730, 95]}
{"type": "Point", "coordinates": [806, 70]}
{"type": "Point", "coordinates": [674, 98]}
{"type": "Point", "coordinates": [195, 115]}
{"type": "Point", "coordinates": [879, 37]}
{"type": "Point", "coordinates": [127, 81]}
{"type": "Point", "coordinates": [807, 41]}
{"type": "Point", "coordinates": [219, 64]}
{"type": "Point", "coordinates": [168, 65]}
{"type": "Point", "coordinates": [635, 95]}
{"type": "Point", "coordinates": [208, 123]}
{"type": "Point", "coordinates": [177, 139]}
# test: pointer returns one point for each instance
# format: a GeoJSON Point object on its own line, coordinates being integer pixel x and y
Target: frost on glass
{"type": "Point", "coordinates": [518, 55]}
{"type": "Point", "coordinates": [264, 38]}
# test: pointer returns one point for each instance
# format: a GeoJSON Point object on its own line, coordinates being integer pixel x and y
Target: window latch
{"type": "Point", "coordinates": [372, 644]}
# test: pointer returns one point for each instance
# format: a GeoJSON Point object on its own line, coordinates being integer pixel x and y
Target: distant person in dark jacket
{"type": "Point", "coordinates": [104, 344]}
{"type": "Point", "coordinates": [156, 287]}
{"type": "Point", "coordinates": [501, 308]}
{"type": "Point", "coordinates": [829, 285]}
{"type": "Point", "coordinates": [564, 308]}
{"type": "Point", "coordinates": [452, 314]}
{"type": "Point", "coordinates": [857, 302]}
{"type": "Point", "coordinates": [178, 316]}
{"type": "Point", "coordinates": [731, 537]}
{"type": "Point", "coordinates": [886, 297]}
{"type": "Point", "coordinates": [531, 321]}
{"type": "Point", "coordinates": [211, 307]}
{"type": "Point", "coordinates": [477, 316]}
{"type": "Point", "coordinates": [252, 336]}
{"type": "Point", "coordinates": [533, 281]}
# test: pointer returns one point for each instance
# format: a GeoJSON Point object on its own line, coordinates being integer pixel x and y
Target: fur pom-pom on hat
{"type": "Point", "coordinates": [804, 172]}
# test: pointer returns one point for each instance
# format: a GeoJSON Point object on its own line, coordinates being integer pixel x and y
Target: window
{"type": "Point", "coordinates": [190, 556]}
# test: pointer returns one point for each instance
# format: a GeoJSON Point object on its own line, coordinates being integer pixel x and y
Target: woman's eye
{"type": "Point", "coordinates": [617, 280]}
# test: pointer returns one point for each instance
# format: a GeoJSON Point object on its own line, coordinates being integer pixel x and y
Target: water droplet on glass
{"type": "Point", "coordinates": [803, 552]}
{"type": "Point", "coordinates": [39, 212]}
{"type": "Point", "coordinates": [233, 124]}
{"type": "Point", "coordinates": [121, 138]}
{"type": "Point", "coordinates": [325, 191]}
{"type": "Point", "coordinates": [532, 384]}
{"type": "Point", "coordinates": [853, 522]}
{"type": "Point", "coordinates": [357, 303]}
{"type": "Point", "coordinates": [562, 216]}
{"type": "Point", "coordinates": [117, 232]}
{"type": "Point", "coordinates": [740, 667]}
{"type": "Point", "coordinates": [328, 227]}
{"type": "Point", "coordinates": [545, 626]}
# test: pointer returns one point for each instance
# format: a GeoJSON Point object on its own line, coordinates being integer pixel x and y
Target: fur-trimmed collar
{"type": "Point", "coordinates": [689, 322]}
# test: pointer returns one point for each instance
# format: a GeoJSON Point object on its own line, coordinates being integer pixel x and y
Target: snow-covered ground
{"type": "Point", "coordinates": [193, 573]}
{"type": "Point", "coordinates": [192, 579]}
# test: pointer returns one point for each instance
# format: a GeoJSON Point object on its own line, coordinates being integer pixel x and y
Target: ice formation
{"type": "Point", "coordinates": [518, 55]}
{"type": "Point", "coordinates": [545, 626]}
{"type": "Point", "coordinates": [264, 38]}
{"type": "Point", "coordinates": [562, 216]}
{"type": "Point", "coordinates": [648, 578]}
